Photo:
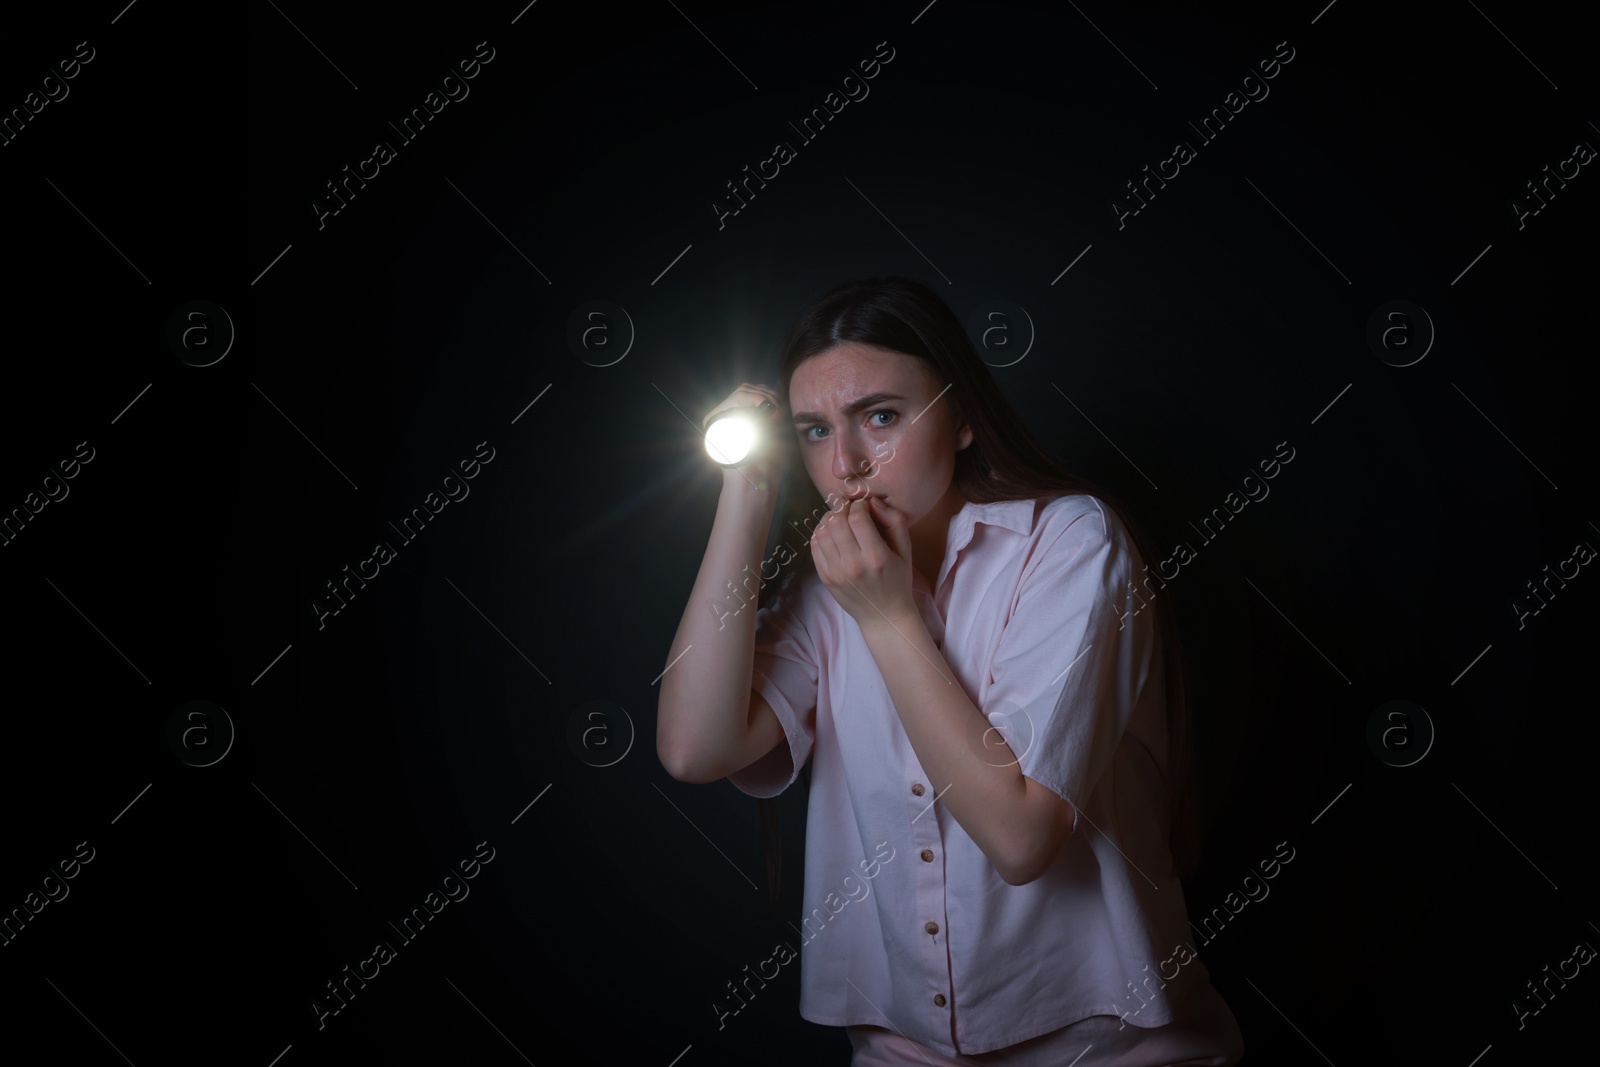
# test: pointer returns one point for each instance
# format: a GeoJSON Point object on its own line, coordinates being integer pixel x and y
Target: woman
{"type": "Point", "coordinates": [971, 654]}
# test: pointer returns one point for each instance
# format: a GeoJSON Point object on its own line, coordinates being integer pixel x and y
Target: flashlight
{"type": "Point", "coordinates": [734, 435]}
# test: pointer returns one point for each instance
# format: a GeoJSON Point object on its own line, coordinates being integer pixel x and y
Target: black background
{"type": "Point", "coordinates": [373, 352]}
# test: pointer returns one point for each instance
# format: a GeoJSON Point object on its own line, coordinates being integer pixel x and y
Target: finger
{"type": "Point", "coordinates": [758, 394]}
{"type": "Point", "coordinates": [825, 527]}
{"type": "Point", "coordinates": [822, 557]}
{"type": "Point", "coordinates": [862, 525]}
{"type": "Point", "coordinates": [894, 522]}
{"type": "Point", "coordinates": [896, 532]}
{"type": "Point", "coordinates": [846, 533]}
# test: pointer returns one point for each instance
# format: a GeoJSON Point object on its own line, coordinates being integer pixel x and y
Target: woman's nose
{"type": "Point", "coordinates": [852, 466]}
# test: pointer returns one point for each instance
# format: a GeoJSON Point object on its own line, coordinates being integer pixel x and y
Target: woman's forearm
{"type": "Point", "coordinates": [973, 772]}
{"type": "Point", "coordinates": [703, 711]}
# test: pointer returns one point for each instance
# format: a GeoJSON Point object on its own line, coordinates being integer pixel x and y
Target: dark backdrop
{"type": "Point", "coordinates": [246, 849]}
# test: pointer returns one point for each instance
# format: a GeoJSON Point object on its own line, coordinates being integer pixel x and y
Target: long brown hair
{"type": "Point", "coordinates": [1003, 462]}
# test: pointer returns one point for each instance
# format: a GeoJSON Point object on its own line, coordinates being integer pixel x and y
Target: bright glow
{"type": "Point", "coordinates": [730, 438]}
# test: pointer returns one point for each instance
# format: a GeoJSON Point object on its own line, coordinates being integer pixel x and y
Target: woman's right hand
{"type": "Point", "coordinates": [767, 467]}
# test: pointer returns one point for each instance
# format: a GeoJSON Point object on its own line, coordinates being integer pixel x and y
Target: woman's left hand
{"type": "Point", "coordinates": [868, 576]}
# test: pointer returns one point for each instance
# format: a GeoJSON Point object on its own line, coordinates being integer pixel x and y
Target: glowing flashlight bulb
{"type": "Point", "coordinates": [730, 438]}
{"type": "Point", "coordinates": [737, 433]}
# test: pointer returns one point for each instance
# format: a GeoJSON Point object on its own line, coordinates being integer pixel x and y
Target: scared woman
{"type": "Point", "coordinates": [971, 656]}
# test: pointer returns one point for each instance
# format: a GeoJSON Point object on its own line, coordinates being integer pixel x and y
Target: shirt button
{"type": "Point", "coordinates": [917, 789]}
{"type": "Point", "coordinates": [932, 928]}
{"type": "Point", "coordinates": [938, 998]}
{"type": "Point", "coordinates": [927, 855]}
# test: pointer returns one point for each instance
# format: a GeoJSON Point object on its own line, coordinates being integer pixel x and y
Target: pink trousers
{"type": "Point", "coordinates": [1205, 1035]}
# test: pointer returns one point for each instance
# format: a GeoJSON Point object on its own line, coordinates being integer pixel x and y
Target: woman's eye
{"type": "Point", "coordinates": [806, 433]}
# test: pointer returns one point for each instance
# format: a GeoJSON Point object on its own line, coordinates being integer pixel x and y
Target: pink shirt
{"type": "Point", "coordinates": [907, 925]}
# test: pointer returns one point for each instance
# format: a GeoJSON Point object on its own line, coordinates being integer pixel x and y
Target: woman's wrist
{"type": "Point", "coordinates": [747, 484]}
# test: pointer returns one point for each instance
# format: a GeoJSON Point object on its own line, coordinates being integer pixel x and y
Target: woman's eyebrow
{"type": "Point", "coordinates": [851, 408]}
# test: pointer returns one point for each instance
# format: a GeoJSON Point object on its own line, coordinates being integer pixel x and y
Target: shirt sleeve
{"type": "Point", "coordinates": [787, 667]}
{"type": "Point", "coordinates": [1073, 657]}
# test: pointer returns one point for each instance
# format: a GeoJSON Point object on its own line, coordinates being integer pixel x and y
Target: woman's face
{"type": "Point", "coordinates": [872, 421]}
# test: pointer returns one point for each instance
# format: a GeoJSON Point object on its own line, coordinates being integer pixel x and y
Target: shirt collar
{"type": "Point", "coordinates": [1017, 515]}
